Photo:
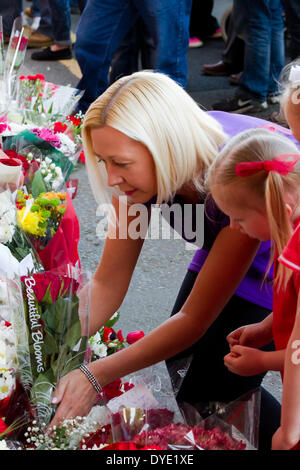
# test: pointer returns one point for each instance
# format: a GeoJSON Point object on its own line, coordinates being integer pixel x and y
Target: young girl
{"type": "Point", "coordinates": [256, 181]}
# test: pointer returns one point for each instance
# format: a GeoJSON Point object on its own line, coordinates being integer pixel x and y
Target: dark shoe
{"type": "Point", "coordinates": [39, 40]}
{"type": "Point", "coordinates": [218, 69]}
{"type": "Point", "coordinates": [240, 104]}
{"type": "Point", "coordinates": [47, 54]}
{"type": "Point", "coordinates": [234, 78]}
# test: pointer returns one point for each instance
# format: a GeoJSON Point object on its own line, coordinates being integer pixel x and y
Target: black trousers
{"type": "Point", "coordinates": [207, 378]}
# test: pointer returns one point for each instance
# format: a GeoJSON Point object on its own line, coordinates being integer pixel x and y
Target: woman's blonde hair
{"type": "Point", "coordinates": [270, 188]}
{"type": "Point", "coordinates": [151, 108]}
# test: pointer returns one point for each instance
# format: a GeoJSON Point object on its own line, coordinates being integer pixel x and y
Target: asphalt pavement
{"type": "Point", "coordinates": [163, 263]}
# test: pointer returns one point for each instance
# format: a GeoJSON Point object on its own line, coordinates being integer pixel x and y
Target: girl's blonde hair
{"type": "Point", "coordinates": [151, 108]}
{"type": "Point", "coordinates": [270, 188]}
{"type": "Point", "coordinates": [289, 86]}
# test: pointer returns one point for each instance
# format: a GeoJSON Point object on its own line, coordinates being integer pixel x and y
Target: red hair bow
{"type": "Point", "coordinates": [280, 165]}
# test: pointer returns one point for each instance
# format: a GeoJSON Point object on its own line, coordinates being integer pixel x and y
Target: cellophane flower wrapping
{"type": "Point", "coordinates": [45, 167]}
{"type": "Point", "coordinates": [149, 417]}
{"type": "Point", "coordinates": [15, 56]}
{"type": "Point", "coordinates": [52, 333]}
{"type": "Point", "coordinates": [17, 255]}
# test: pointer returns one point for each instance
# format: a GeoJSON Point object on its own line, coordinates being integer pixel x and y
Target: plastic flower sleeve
{"type": "Point", "coordinates": [15, 56]}
{"type": "Point", "coordinates": [46, 149]}
{"type": "Point", "coordinates": [56, 342]}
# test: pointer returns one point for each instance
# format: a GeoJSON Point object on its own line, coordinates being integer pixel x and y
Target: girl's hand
{"type": "Point", "coordinates": [245, 361]}
{"type": "Point", "coordinates": [282, 442]}
{"type": "Point", "coordinates": [253, 336]}
{"type": "Point", "coordinates": [76, 397]}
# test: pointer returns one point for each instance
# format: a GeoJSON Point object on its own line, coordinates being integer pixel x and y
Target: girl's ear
{"type": "Point", "coordinates": [289, 209]}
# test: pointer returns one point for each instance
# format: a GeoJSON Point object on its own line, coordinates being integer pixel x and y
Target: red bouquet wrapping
{"type": "Point", "coordinates": [62, 249]}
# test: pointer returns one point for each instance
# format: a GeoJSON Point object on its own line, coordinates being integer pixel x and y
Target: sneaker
{"type": "Point", "coordinates": [195, 42]}
{"type": "Point", "coordinates": [274, 99]}
{"type": "Point", "coordinates": [240, 104]}
{"type": "Point", "coordinates": [217, 34]}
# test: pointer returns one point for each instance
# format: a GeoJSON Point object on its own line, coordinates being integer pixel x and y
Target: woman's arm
{"type": "Point", "coordinates": [226, 265]}
{"type": "Point", "coordinates": [289, 433]}
{"type": "Point", "coordinates": [112, 278]}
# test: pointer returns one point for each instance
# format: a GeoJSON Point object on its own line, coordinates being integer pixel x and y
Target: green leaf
{"type": "Point", "coordinates": [38, 185]}
{"type": "Point", "coordinates": [50, 345]}
{"type": "Point", "coordinates": [110, 323]}
{"type": "Point", "coordinates": [73, 335]}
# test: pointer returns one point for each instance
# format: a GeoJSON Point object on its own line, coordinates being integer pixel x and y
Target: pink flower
{"type": "Point", "coordinates": [3, 127]}
{"type": "Point", "coordinates": [134, 336]}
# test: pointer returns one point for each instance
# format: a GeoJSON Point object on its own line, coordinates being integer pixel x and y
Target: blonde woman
{"type": "Point", "coordinates": [146, 139]}
{"type": "Point", "coordinates": [255, 181]}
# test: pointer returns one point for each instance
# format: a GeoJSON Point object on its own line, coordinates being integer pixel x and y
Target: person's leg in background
{"type": "Point", "coordinates": [260, 24]}
{"type": "Point", "coordinates": [136, 50]}
{"type": "Point", "coordinates": [169, 21]}
{"type": "Point", "coordinates": [292, 15]}
{"type": "Point", "coordinates": [207, 368]}
{"type": "Point", "coordinates": [60, 14]}
{"type": "Point", "coordinates": [232, 57]}
{"type": "Point", "coordinates": [202, 23]}
{"type": "Point", "coordinates": [101, 28]}
{"type": "Point", "coordinates": [10, 10]}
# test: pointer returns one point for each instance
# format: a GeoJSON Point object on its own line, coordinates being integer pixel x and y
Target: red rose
{"type": "Point", "coordinates": [82, 157]}
{"type": "Point", "coordinates": [59, 127]}
{"type": "Point", "coordinates": [10, 162]}
{"type": "Point", "coordinates": [4, 406]}
{"type": "Point", "coordinates": [120, 336]}
{"type": "Point", "coordinates": [23, 42]}
{"type": "Point", "coordinates": [127, 386]}
{"type": "Point", "coordinates": [40, 282]}
{"type": "Point", "coordinates": [3, 426]}
{"type": "Point", "coordinates": [3, 127]}
{"type": "Point", "coordinates": [74, 120]}
{"type": "Point", "coordinates": [134, 336]}
{"type": "Point", "coordinates": [40, 76]}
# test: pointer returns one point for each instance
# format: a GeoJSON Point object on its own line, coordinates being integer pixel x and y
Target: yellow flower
{"type": "Point", "coordinates": [30, 222]}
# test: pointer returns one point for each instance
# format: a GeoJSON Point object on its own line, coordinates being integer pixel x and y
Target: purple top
{"type": "Point", "coordinates": [251, 287]}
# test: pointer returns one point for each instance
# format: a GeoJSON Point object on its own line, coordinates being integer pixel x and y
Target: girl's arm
{"type": "Point", "coordinates": [226, 265]}
{"type": "Point", "coordinates": [288, 434]}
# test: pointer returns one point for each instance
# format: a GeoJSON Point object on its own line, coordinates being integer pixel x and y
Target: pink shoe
{"type": "Point", "coordinates": [217, 34]}
{"type": "Point", "coordinates": [195, 42]}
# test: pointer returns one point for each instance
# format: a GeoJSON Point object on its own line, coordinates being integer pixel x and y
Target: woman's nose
{"type": "Point", "coordinates": [113, 178]}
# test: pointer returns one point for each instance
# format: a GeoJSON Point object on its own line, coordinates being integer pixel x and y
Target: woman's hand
{"type": "Point", "coordinates": [76, 396]}
{"type": "Point", "coordinates": [245, 361]}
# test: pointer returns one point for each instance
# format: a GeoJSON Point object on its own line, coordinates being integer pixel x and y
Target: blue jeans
{"type": "Point", "coordinates": [260, 24]}
{"type": "Point", "coordinates": [103, 25]}
{"type": "Point", "coordinates": [10, 10]}
{"type": "Point", "coordinates": [56, 20]}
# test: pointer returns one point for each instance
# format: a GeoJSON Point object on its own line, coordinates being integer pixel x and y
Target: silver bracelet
{"type": "Point", "coordinates": [91, 378]}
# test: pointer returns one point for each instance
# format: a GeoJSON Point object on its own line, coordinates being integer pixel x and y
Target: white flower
{"type": "Point", "coordinates": [99, 349]}
{"type": "Point", "coordinates": [7, 217]}
{"type": "Point", "coordinates": [7, 384]}
{"type": "Point", "coordinates": [3, 445]}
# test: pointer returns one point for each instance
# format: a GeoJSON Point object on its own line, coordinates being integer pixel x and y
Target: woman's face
{"type": "Point", "coordinates": [129, 164]}
{"type": "Point", "coordinates": [250, 221]}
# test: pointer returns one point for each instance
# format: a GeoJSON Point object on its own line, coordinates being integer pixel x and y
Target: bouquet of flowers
{"type": "Point", "coordinates": [17, 255]}
{"type": "Point", "coordinates": [107, 341]}
{"type": "Point", "coordinates": [43, 103]}
{"type": "Point", "coordinates": [51, 225]}
{"type": "Point", "coordinates": [45, 167]}
{"type": "Point", "coordinates": [51, 336]}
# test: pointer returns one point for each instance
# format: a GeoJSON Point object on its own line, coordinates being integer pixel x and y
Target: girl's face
{"type": "Point", "coordinates": [129, 164]}
{"type": "Point", "coordinates": [252, 222]}
{"type": "Point", "coordinates": [292, 114]}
